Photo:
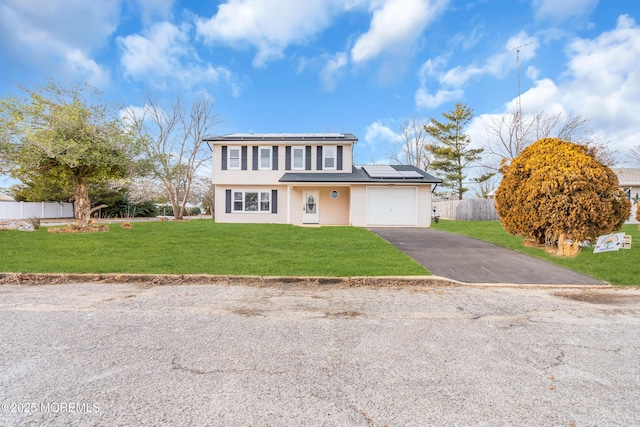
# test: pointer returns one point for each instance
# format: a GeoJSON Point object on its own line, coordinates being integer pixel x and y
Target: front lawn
{"type": "Point", "coordinates": [204, 247]}
{"type": "Point", "coordinates": [618, 268]}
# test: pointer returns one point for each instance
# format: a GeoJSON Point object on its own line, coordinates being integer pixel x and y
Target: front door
{"type": "Point", "coordinates": [310, 213]}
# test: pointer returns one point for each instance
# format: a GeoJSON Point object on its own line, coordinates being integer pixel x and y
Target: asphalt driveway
{"type": "Point", "coordinates": [471, 260]}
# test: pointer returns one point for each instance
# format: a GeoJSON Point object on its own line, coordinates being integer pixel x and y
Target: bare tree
{"type": "Point", "coordinates": [204, 193]}
{"type": "Point", "coordinates": [412, 148]}
{"type": "Point", "coordinates": [512, 133]}
{"type": "Point", "coordinates": [175, 148]}
{"type": "Point", "coordinates": [635, 153]}
{"type": "Point", "coordinates": [144, 189]}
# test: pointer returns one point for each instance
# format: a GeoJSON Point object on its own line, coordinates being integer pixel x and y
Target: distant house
{"type": "Point", "coordinates": [310, 179]}
{"type": "Point", "coordinates": [6, 198]}
{"type": "Point", "coordinates": [629, 180]}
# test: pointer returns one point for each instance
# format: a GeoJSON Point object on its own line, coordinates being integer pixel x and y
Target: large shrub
{"type": "Point", "coordinates": [556, 193]}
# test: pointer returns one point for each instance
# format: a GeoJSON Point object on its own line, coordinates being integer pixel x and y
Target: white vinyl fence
{"type": "Point", "coordinates": [467, 209]}
{"type": "Point", "coordinates": [26, 210]}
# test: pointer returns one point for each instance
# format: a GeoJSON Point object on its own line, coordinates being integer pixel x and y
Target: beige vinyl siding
{"type": "Point", "coordinates": [334, 211]}
{"type": "Point", "coordinates": [331, 211]}
{"type": "Point", "coordinates": [246, 177]}
{"type": "Point", "coordinates": [266, 177]}
{"type": "Point", "coordinates": [250, 217]}
{"type": "Point", "coordinates": [424, 206]}
{"type": "Point", "coordinates": [296, 205]}
{"type": "Point", "coordinates": [359, 205]}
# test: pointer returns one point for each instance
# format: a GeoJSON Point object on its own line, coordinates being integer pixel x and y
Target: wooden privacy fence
{"type": "Point", "coordinates": [467, 209]}
{"type": "Point", "coordinates": [26, 210]}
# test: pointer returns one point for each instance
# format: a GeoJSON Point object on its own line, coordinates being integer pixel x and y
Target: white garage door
{"type": "Point", "coordinates": [392, 206]}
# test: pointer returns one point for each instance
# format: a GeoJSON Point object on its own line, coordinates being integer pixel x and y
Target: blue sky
{"type": "Point", "coordinates": [359, 66]}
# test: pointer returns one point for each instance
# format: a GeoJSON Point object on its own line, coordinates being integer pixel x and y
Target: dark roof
{"type": "Point", "coordinates": [359, 175]}
{"type": "Point", "coordinates": [293, 137]}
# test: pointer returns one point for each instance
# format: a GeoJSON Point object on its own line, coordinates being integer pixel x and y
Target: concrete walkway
{"type": "Point", "coordinates": [471, 260]}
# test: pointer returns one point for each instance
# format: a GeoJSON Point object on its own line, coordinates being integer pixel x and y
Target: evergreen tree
{"type": "Point", "coordinates": [451, 152]}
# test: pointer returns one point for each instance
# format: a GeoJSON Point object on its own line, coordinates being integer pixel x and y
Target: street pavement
{"type": "Point", "coordinates": [96, 354]}
{"type": "Point", "coordinates": [470, 260]}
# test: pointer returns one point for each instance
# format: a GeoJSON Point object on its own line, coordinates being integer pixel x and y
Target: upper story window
{"type": "Point", "coordinates": [265, 157]}
{"type": "Point", "coordinates": [329, 157]}
{"type": "Point", "coordinates": [298, 158]}
{"type": "Point", "coordinates": [235, 157]}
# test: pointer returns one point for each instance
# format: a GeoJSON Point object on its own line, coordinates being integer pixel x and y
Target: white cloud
{"type": "Point", "coordinates": [151, 10]}
{"type": "Point", "coordinates": [424, 99]}
{"type": "Point", "coordinates": [601, 82]}
{"type": "Point", "coordinates": [562, 10]}
{"type": "Point", "coordinates": [453, 80]}
{"type": "Point", "coordinates": [59, 35]}
{"type": "Point", "coordinates": [268, 25]}
{"type": "Point", "coordinates": [396, 24]}
{"type": "Point", "coordinates": [379, 138]}
{"type": "Point", "coordinates": [497, 65]}
{"type": "Point", "coordinates": [332, 70]}
{"type": "Point", "coordinates": [263, 24]}
{"type": "Point", "coordinates": [162, 53]}
{"type": "Point", "coordinates": [544, 96]}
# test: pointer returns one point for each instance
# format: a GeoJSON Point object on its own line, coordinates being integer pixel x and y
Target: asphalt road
{"type": "Point", "coordinates": [470, 260]}
{"type": "Point", "coordinates": [108, 354]}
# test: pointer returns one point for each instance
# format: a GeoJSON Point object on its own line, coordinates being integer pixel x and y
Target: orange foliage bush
{"type": "Point", "coordinates": [555, 192]}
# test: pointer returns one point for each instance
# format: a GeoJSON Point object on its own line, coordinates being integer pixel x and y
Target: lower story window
{"type": "Point", "coordinates": [252, 201]}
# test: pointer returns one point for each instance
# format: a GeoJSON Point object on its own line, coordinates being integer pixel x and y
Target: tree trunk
{"type": "Point", "coordinates": [83, 205]}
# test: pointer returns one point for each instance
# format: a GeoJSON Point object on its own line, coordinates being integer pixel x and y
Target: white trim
{"type": "Point", "coordinates": [229, 149]}
{"type": "Point", "coordinates": [325, 157]}
{"type": "Point", "coordinates": [265, 147]}
{"type": "Point", "coordinates": [288, 204]}
{"type": "Point", "coordinates": [244, 192]}
{"type": "Point", "coordinates": [293, 157]}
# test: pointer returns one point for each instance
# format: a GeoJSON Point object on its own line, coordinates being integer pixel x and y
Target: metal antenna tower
{"type": "Point", "coordinates": [519, 102]}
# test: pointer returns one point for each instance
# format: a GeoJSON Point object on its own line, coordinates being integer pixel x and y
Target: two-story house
{"type": "Point", "coordinates": [310, 179]}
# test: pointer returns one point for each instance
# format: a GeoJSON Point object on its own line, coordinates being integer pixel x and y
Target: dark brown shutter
{"type": "Point", "coordinates": [274, 158]}
{"type": "Point", "coordinates": [274, 201]}
{"type": "Point", "coordinates": [287, 158]}
{"type": "Point", "coordinates": [307, 157]}
{"type": "Point", "coordinates": [224, 157]}
{"type": "Point", "coordinates": [255, 158]}
{"type": "Point", "coordinates": [244, 157]}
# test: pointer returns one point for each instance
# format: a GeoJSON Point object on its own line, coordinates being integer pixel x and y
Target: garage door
{"type": "Point", "coordinates": [392, 206]}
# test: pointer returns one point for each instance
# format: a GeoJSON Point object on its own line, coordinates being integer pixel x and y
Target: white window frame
{"type": "Point", "coordinates": [229, 165]}
{"type": "Point", "coordinates": [260, 165]}
{"type": "Point", "coordinates": [243, 201]}
{"type": "Point", "coordinates": [326, 157]}
{"type": "Point", "coordinates": [293, 158]}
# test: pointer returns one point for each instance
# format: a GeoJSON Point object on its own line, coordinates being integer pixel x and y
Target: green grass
{"type": "Point", "coordinates": [204, 247]}
{"type": "Point", "coordinates": [618, 268]}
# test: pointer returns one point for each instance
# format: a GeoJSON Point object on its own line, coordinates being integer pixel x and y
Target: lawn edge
{"type": "Point", "coordinates": [153, 280]}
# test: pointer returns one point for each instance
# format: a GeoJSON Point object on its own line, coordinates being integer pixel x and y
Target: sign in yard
{"type": "Point", "coordinates": [609, 242]}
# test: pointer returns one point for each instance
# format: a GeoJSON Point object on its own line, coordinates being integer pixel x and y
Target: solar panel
{"type": "Point", "coordinates": [381, 171]}
{"type": "Point", "coordinates": [388, 171]}
{"type": "Point", "coordinates": [410, 174]}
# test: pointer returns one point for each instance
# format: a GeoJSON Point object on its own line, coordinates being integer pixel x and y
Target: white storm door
{"type": "Point", "coordinates": [310, 213]}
